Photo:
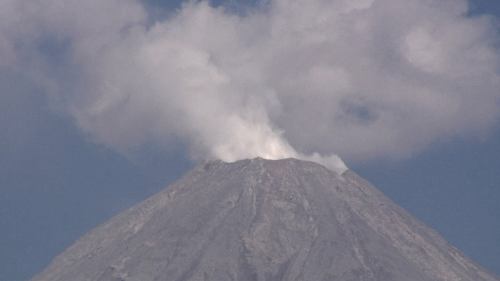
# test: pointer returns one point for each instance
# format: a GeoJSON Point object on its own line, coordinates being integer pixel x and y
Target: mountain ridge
{"type": "Point", "coordinates": [263, 219]}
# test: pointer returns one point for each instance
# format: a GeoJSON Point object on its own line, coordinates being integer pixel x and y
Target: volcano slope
{"type": "Point", "coordinates": [264, 220]}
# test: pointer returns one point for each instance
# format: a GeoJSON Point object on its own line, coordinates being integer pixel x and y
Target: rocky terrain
{"type": "Point", "coordinates": [264, 220]}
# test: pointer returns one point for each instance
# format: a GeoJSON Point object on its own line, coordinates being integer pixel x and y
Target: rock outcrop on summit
{"type": "Point", "coordinates": [263, 220]}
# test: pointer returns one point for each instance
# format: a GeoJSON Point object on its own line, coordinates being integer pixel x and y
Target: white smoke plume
{"type": "Point", "coordinates": [286, 78]}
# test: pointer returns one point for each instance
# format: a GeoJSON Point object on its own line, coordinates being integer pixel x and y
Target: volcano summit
{"type": "Point", "coordinates": [264, 220]}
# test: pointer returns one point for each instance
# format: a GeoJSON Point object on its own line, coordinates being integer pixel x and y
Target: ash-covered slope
{"type": "Point", "coordinates": [264, 220]}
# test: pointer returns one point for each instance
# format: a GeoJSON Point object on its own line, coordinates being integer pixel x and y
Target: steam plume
{"type": "Point", "coordinates": [362, 78]}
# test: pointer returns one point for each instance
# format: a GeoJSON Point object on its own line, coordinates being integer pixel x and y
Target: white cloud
{"type": "Point", "coordinates": [363, 79]}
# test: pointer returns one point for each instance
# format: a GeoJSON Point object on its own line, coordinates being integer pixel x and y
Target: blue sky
{"type": "Point", "coordinates": [56, 182]}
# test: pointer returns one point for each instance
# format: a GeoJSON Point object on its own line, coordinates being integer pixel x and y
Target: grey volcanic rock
{"type": "Point", "coordinates": [264, 220]}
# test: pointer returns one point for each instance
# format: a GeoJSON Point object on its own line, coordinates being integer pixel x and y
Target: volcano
{"type": "Point", "coordinates": [264, 220]}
